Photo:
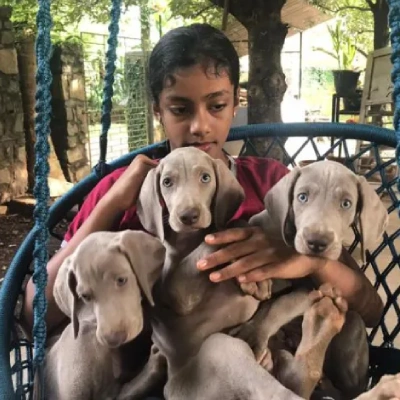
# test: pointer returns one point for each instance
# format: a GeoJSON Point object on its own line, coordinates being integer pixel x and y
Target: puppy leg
{"type": "Point", "coordinates": [269, 318]}
{"type": "Point", "coordinates": [388, 388]}
{"type": "Point", "coordinates": [347, 358]}
{"type": "Point", "coordinates": [321, 322]}
{"type": "Point", "coordinates": [225, 369]}
{"type": "Point", "coordinates": [153, 374]}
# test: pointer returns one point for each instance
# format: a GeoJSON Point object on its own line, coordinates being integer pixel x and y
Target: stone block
{"type": "Point", "coordinates": [65, 83]}
{"type": "Point", "coordinates": [72, 142]}
{"type": "Point", "coordinates": [5, 12]}
{"type": "Point", "coordinates": [75, 154]}
{"type": "Point", "coordinates": [21, 154]}
{"type": "Point", "coordinates": [70, 114]}
{"type": "Point", "coordinates": [5, 176]}
{"type": "Point", "coordinates": [5, 193]}
{"type": "Point", "coordinates": [83, 139]}
{"type": "Point", "coordinates": [82, 172]}
{"type": "Point", "coordinates": [8, 61]}
{"type": "Point", "coordinates": [7, 38]}
{"type": "Point", "coordinates": [77, 88]}
{"type": "Point", "coordinates": [72, 129]}
{"type": "Point", "coordinates": [7, 25]}
{"type": "Point", "coordinates": [13, 87]}
{"type": "Point", "coordinates": [19, 123]}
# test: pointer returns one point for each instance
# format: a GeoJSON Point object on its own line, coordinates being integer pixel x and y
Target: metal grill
{"type": "Point", "coordinates": [131, 122]}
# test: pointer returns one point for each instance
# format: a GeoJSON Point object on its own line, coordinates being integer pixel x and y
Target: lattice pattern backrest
{"type": "Point", "coordinates": [377, 164]}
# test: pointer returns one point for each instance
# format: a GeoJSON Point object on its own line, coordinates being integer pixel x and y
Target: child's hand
{"type": "Point", "coordinates": [125, 191]}
{"type": "Point", "coordinates": [253, 257]}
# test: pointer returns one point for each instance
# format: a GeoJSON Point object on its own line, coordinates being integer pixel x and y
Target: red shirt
{"type": "Point", "coordinates": [256, 175]}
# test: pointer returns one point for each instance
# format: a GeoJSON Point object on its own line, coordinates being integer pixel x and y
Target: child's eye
{"type": "Point", "coordinates": [180, 110]}
{"type": "Point", "coordinates": [218, 107]}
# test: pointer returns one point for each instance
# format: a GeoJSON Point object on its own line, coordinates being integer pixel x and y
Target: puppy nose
{"type": "Point", "coordinates": [317, 245]}
{"type": "Point", "coordinates": [115, 339]}
{"type": "Point", "coordinates": [190, 217]}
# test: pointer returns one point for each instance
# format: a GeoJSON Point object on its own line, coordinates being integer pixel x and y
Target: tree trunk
{"type": "Point", "coordinates": [380, 11]}
{"type": "Point", "coordinates": [27, 68]}
{"type": "Point", "coordinates": [266, 85]}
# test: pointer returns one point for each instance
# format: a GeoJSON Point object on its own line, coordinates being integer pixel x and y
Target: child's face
{"type": "Point", "coordinates": [197, 109]}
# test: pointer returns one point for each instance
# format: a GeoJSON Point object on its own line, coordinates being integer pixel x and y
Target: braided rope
{"type": "Point", "coordinates": [394, 24]}
{"type": "Point", "coordinates": [108, 91]}
{"type": "Point", "coordinates": [41, 189]}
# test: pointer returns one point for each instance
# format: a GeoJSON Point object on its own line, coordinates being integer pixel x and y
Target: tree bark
{"type": "Point", "coordinates": [380, 11]}
{"type": "Point", "coordinates": [266, 85]}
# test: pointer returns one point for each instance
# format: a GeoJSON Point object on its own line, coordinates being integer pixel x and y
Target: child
{"type": "Point", "coordinates": [194, 82]}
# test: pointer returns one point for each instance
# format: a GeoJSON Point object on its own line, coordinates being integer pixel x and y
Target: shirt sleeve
{"type": "Point", "coordinates": [90, 202]}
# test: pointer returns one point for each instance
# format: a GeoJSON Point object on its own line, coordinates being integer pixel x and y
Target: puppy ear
{"type": "Point", "coordinates": [278, 207]}
{"type": "Point", "coordinates": [148, 206]}
{"type": "Point", "coordinates": [72, 283]}
{"type": "Point", "coordinates": [146, 255]}
{"type": "Point", "coordinates": [372, 215]}
{"type": "Point", "coordinates": [229, 195]}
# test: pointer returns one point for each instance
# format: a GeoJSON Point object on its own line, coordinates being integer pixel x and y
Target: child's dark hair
{"type": "Point", "coordinates": [187, 46]}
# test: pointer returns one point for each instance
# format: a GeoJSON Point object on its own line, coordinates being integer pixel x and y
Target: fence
{"type": "Point", "coordinates": [132, 123]}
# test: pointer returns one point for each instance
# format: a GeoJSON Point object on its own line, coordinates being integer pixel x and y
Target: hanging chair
{"type": "Point", "coordinates": [20, 361]}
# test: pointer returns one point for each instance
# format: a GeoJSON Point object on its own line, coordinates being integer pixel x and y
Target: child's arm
{"type": "Point", "coordinates": [253, 258]}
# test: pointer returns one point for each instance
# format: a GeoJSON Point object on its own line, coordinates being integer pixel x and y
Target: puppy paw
{"type": "Point", "coordinates": [388, 388]}
{"type": "Point", "coordinates": [259, 290]}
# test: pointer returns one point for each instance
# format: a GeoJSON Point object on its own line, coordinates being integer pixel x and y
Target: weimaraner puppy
{"type": "Point", "coordinates": [100, 287]}
{"type": "Point", "coordinates": [202, 195]}
{"type": "Point", "coordinates": [311, 209]}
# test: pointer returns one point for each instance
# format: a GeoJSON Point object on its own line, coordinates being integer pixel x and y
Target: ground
{"type": "Point", "coordinates": [13, 229]}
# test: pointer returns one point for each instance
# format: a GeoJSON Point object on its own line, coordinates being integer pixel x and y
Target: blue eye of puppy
{"type": "Point", "coordinates": [302, 197]}
{"type": "Point", "coordinates": [346, 204]}
{"type": "Point", "coordinates": [121, 281]}
{"type": "Point", "coordinates": [205, 178]}
{"type": "Point", "coordinates": [167, 182]}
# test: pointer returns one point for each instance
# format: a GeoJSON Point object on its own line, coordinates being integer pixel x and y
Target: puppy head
{"type": "Point", "coordinates": [196, 190]}
{"type": "Point", "coordinates": [109, 272]}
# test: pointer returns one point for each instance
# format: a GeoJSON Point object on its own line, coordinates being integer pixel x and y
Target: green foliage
{"type": "Point", "coordinates": [344, 46]}
{"type": "Point", "coordinates": [196, 11]}
{"type": "Point", "coordinates": [357, 16]}
{"type": "Point", "coordinates": [66, 15]}
{"type": "Point", "coordinates": [317, 89]}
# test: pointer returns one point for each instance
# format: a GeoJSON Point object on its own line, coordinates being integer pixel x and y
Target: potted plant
{"type": "Point", "coordinates": [344, 52]}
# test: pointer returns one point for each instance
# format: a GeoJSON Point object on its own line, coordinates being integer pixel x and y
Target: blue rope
{"type": "Point", "coordinates": [41, 190]}
{"type": "Point", "coordinates": [108, 91]}
{"type": "Point", "coordinates": [394, 24]}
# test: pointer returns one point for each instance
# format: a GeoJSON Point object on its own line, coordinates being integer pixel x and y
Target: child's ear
{"type": "Point", "coordinates": [156, 111]}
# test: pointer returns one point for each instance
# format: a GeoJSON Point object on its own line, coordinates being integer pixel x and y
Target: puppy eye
{"type": "Point", "coordinates": [346, 204]}
{"type": "Point", "coordinates": [121, 281]}
{"type": "Point", "coordinates": [86, 297]}
{"type": "Point", "coordinates": [302, 197]}
{"type": "Point", "coordinates": [167, 182]}
{"type": "Point", "coordinates": [205, 178]}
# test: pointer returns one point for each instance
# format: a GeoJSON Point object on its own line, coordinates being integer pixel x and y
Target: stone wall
{"type": "Point", "coordinates": [69, 125]}
{"type": "Point", "coordinates": [13, 173]}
